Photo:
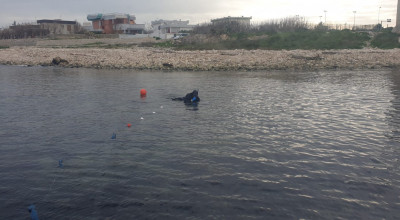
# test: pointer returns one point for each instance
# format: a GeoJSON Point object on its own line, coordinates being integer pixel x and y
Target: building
{"type": "Point", "coordinates": [396, 29]}
{"type": "Point", "coordinates": [59, 26]}
{"type": "Point", "coordinates": [227, 20]}
{"type": "Point", "coordinates": [167, 29]}
{"type": "Point", "coordinates": [87, 26]}
{"type": "Point", "coordinates": [115, 23]}
{"type": "Point", "coordinates": [25, 31]}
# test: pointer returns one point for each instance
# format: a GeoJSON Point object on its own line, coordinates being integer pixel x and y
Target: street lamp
{"type": "Point", "coordinates": [379, 13]}
{"type": "Point", "coordinates": [325, 15]}
{"type": "Point", "coordinates": [354, 25]}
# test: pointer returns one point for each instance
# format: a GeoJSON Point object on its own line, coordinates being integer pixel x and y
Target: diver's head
{"type": "Point", "coordinates": [195, 93]}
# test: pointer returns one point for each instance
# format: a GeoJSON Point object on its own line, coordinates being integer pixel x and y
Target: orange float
{"type": "Point", "coordinates": [143, 92]}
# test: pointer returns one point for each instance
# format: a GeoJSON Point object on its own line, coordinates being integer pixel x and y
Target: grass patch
{"type": "Point", "coordinates": [4, 47]}
{"type": "Point", "coordinates": [118, 46]}
{"type": "Point", "coordinates": [167, 44]}
{"type": "Point", "coordinates": [103, 45]}
{"type": "Point", "coordinates": [94, 44]}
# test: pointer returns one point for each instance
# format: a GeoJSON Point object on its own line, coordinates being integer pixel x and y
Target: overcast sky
{"type": "Point", "coordinates": [200, 11]}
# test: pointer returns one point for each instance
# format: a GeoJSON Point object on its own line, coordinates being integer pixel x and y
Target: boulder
{"type": "Point", "coordinates": [59, 61]}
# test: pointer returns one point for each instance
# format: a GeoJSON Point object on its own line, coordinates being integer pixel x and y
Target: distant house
{"type": "Point", "coordinates": [59, 26]}
{"type": "Point", "coordinates": [226, 20]}
{"type": "Point", "coordinates": [115, 23]}
{"type": "Point", "coordinates": [170, 28]}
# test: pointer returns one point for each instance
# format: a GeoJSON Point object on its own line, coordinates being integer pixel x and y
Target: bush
{"type": "Point", "coordinates": [386, 40]}
{"type": "Point", "coordinates": [306, 39]}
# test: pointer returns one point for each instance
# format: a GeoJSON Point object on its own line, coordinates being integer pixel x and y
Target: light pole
{"type": "Point", "coordinates": [379, 13]}
{"type": "Point", "coordinates": [354, 25]}
{"type": "Point", "coordinates": [325, 15]}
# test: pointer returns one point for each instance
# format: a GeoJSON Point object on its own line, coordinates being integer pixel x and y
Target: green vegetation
{"type": "Point", "coordinates": [386, 40]}
{"type": "Point", "coordinates": [4, 47]}
{"type": "Point", "coordinates": [118, 46]}
{"type": "Point", "coordinates": [165, 44]}
{"type": "Point", "coordinates": [94, 44]}
{"type": "Point", "coordinates": [285, 34]}
{"type": "Point", "coordinates": [103, 45]}
{"type": "Point", "coordinates": [308, 39]}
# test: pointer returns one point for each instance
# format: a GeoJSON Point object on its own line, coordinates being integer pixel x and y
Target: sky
{"type": "Point", "coordinates": [202, 11]}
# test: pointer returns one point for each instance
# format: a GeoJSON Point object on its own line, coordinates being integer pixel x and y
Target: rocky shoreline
{"type": "Point", "coordinates": [141, 58]}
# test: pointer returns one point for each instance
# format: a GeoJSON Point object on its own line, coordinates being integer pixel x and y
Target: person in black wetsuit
{"type": "Point", "coordinates": [192, 97]}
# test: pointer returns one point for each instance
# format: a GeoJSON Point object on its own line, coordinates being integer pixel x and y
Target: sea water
{"type": "Point", "coordinates": [259, 145]}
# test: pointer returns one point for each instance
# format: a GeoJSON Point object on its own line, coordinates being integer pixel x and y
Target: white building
{"type": "Point", "coordinates": [167, 29]}
{"type": "Point", "coordinates": [59, 26]}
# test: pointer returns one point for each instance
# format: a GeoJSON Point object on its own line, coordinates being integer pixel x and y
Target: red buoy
{"type": "Point", "coordinates": [143, 92]}
{"type": "Point", "coordinates": [129, 125]}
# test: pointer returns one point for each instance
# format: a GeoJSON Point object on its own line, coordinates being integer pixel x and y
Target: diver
{"type": "Point", "coordinates": [192, 97]}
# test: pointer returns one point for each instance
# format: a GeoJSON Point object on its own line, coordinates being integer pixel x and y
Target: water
{"type": "Point", "coordinates": [260, 145]}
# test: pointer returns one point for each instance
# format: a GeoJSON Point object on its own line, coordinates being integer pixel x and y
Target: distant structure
{"type": "Point", "coordinates": [25, 31]}
{"type": "Point", "coordinates": [115, 23]}
{"type": "Point", "coordinates": [227, 20]}
{"type": "Point", "coordinates": [397, 28]}
{"type": "Point", "coordinates": [59, 27]}
{"type": "Point", "coordinates": [87, 26]}
{"type": "Point", "coordinates": [167, 29]}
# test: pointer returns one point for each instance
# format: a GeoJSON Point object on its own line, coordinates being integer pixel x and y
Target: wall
{"type": "Point", "coordinates": [133, 36]}
{"type": "Point", "coordinates": [60, 28]}
{"type": "Point", "coordinates": [107, 26]}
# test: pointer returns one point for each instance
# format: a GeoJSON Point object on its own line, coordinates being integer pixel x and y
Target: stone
{"type": "Point", "coordinates": [59, 61]}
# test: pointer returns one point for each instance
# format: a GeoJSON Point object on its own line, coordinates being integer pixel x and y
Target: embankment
{"type": "Point", "coordinates": [211, 60]}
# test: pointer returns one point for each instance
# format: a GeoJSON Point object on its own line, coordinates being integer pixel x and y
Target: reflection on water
{"type": "Point", "coordinates": [393, 115]}
{"type": "Point", "coordinates": [279, 145]}
{"type": "Point", "coordinates": [394, 112]}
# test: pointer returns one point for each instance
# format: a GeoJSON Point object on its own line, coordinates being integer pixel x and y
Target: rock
{"type": "Point", "coordinates": [58, 61]}
{"type": "Point", "coordinates": [168, 65]}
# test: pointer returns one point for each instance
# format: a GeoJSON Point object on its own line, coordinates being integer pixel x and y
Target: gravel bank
{"type": "Point", "coordinates": [220, 60]}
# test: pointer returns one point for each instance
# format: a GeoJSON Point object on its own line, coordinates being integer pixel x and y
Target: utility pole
{"type": "Point", "coordinates": [354, 24]}
{"type": "Point", "coordinates": [327, 11]}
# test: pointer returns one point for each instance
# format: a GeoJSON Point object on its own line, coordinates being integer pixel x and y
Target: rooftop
{"type": "Point", "coordinates": [56, 21]}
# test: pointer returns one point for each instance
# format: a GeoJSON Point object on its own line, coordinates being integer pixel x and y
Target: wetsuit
{"type": "Point", "coordinates": [192, 97]}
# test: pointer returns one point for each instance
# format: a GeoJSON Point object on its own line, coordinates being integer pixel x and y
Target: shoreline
{"type": "Point", "coordinates": [141, 58]}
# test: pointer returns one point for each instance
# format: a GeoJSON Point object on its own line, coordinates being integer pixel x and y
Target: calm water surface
{"type": "Point", "coordinates": [260, 145]}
